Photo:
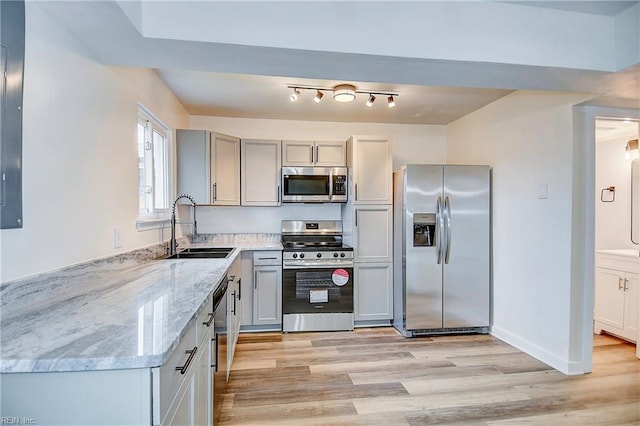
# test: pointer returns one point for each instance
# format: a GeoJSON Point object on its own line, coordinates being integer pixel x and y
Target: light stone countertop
{"type": "Point", "coordinates": [104, 315]}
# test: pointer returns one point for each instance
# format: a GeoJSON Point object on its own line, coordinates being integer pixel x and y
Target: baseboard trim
{"type": "Point", "coordinates": [553, 360]}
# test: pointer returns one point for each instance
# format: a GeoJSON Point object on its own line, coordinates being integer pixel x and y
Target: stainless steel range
{"type": "Point", "coordinates": [317, 277]}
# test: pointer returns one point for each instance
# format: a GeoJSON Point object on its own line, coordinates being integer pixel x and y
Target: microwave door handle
{"type": "Point", "coordinates": [331, 185]}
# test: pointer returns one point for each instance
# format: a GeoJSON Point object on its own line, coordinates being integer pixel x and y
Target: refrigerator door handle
{"type": "Point", "coordinates": [439, 227]}
{"type": "Point", "coordinates": [447, 214]}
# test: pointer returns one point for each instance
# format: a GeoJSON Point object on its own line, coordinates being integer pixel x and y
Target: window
{"type": "Point", "coordinates": [154, 177]}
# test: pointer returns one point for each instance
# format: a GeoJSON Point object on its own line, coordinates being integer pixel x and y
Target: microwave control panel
{"type": "Point", "coordinates": [339, 185]}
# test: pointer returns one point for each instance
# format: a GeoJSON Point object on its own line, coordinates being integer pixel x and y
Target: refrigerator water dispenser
{"type": "Point", "coordinates": [424, 229]}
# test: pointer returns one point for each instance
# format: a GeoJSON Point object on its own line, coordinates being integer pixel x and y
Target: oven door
{"type": "Point", "coordinates": [317, 290]}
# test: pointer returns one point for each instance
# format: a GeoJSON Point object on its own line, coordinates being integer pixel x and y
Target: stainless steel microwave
{"type": "Point", "coordinates": [314, 184]}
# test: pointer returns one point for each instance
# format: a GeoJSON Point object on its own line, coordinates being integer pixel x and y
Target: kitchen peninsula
{"type": "Point", "coordinates": [114, 328]}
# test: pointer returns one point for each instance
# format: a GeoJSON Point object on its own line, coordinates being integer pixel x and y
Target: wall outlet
{"type": "Point", "coordinates": [116, 238]}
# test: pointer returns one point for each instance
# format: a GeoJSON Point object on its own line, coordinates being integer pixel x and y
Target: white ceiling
{"type": "Point", "coordinates": [610, 130]}
{"type": "Point", "coordinates": [254, 96]}
{"type": "Point", "coordinates": [251, 81]}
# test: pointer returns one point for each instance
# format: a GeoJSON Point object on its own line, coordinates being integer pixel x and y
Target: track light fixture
{"type": "Point", "coordinates": [318, 97]}
{"type": "Point", "coordinates": [391, 102]}
{"type": "Point", "coordinates": [371, 100]}
{"type": "Point", "coordinates": [295, 94]}
{"type": "Point", "coordinates": [343, 93]}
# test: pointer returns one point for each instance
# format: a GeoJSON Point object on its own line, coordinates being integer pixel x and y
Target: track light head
{"type": "Point", "coordinates": [391, 102]}
{"type": "Point", "coordinates": [318, 97]}
{"type": "Point", "coordinates": [294, 95]}
{"type": "Point", "coordinates": [371, 100]}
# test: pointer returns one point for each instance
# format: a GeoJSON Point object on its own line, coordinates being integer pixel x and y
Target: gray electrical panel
{"type": "Point", "coordinates": [12, 37]}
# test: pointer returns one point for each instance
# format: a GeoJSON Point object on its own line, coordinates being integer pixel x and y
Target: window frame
{"type": "Point", "coordinates": [155, 217]}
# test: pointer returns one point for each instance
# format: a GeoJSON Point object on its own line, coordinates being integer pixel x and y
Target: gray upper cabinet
{"type": "Point", "coordinates": [314, 153]}
{"type": "Point", "coordinates": [208, 167]}
{"type": "Point", "coordinates": [260, 172]}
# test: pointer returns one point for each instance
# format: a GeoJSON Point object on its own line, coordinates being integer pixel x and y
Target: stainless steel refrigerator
{"type": "Point", "coordinates": [442, 244]}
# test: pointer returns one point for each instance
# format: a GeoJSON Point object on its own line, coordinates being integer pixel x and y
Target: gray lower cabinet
{"type": "Point", "coordinates": [262, 293]}
{"type": "Point", "coordinates": [373, 291]}
{"type": "Point", "coordinates": [267, 295]}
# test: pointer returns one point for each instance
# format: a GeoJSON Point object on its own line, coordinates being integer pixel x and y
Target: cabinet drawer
{"type": "Point", "coordinates": [204, 316]}
{"type": "Point", "coordinates": [267, 258]}
{"type": "Point", "coordinates": [619, 263]}
{"type": "Point", "coordinates": [167, 380]}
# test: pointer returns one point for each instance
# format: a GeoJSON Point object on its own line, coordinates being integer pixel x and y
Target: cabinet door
{"type": "Point", "coordinates": [267, 295]}
{"type": "Point", "coordinates": [609, 297]}
{"type": "Point", "coordinates": [372, 170]}
{"type": "Point", "coordinates": [631, 308]}
{"type": "Point", "coordinates": [261, 172]}
{"type": "Point", "coordinates": [193, 167]}
{"type": "Point", "coordinates": [182, 410]}
{"type": "Point", "coordinates": [204, 383]}
{"type": "Point", "coordinates": [330, 153]}
{"type": "Point", "coordinates": [225, 173]}
{"type": "Point", "coordinates": [297, 153]}
{"type": "Point", "coordinates": [373, 237]}
{"type": "Point", "coordinates": [373, 291]}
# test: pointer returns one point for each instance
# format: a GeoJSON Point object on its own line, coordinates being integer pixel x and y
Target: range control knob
{"type": "Point", "coordinates": [295, 255]}
{"type": "Point", "coordinates": [342, 254]}
{"type": "Point", "coordinates": [319, 255]}
{"type": "Point", "coordinates": [335, 254]}
{"type": "Point", "coordinates": [301, 255]}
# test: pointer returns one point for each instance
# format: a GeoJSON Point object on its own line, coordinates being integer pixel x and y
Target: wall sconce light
{"type": "Point", "coordinates": [631, 149]}
{"type": "Point", "coordinates": [343, 93]}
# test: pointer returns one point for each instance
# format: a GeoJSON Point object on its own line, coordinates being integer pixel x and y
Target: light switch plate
{"type": "Point", "coordinates": [542, 191]}
{"type": "Point", "coordinates": [116, 238]}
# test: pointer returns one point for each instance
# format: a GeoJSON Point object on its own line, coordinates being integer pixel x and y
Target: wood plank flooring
{"type": "Point", "coordinates": [375, 376]}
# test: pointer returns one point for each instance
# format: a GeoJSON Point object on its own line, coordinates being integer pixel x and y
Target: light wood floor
{"type": "Point", "coordinates": [377, 377]}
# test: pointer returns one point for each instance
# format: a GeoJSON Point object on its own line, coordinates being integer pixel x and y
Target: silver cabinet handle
{"type": "Point", "coordinates": [239, 288]}
{"type": "Point", "coordinates": [317, 157]}
{"type": "Point", "coordinates": [355, 215]}
{"type": "Point", "coordinates": [215, 191]}
{"type": "Point", "coordinates": [311, 154]}
{"type": "Point", "coordinates": [439, 228]}
{"type": "Point", "coordinates": [233, 295]}
{"type": "Point", "coordinates": [626, 281]}
{"type": "Point", "coordinates": [278, 194]}
{"type": "Point", "coordinates": [620, 286]}
{"type": "Point", "coordinates": [356, 191]}
{"type": "Point", "coordinates": [447, 209]}
{"type": "Point", "coordinates": [192, 353]}
{"type": "Point", "coordinates": [255, 280]}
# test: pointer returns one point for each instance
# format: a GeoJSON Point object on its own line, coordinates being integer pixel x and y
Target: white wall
{"type": "Point", "coordinates": [79, 153]}
{"type": "Point", "coordinates": [411, 144]}
{"type": "Point", "coordinates": [527, 138]}
{"type": "Point", "coordinates": [613, 220]}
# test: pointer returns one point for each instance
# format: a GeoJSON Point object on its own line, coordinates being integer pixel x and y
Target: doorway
{"type": "Point", "coordinates": [584, 230]}
{"type": "Point", "coordinates": [617, 234]}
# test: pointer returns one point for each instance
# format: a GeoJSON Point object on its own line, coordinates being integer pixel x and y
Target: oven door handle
{"type": "Point", "coordinates": [333, 266]}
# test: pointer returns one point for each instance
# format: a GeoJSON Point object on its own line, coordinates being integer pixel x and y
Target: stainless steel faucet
{"type": "Point", "coordinates": [173, 244]}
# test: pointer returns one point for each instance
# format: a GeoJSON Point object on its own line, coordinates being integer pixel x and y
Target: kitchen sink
{"type": "Point", "coordinates": [203, 253]}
